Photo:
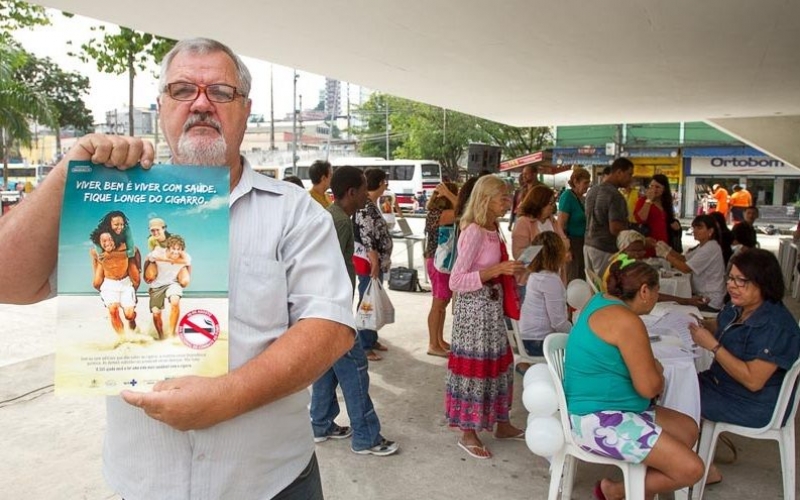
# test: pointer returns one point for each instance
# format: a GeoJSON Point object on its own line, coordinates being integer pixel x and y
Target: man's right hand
{"type": "Point", "coordinates": [118, 151]}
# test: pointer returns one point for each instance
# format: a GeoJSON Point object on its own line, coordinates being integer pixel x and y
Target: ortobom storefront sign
{"type": "Point", "coordinates": [741, 165]}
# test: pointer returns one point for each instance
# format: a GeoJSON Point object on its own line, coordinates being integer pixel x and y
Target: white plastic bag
{"type": "Point", "coordinates": [375, 309]}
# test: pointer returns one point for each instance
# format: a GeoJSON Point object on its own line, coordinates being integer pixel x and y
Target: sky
{"type": "Point", "coordinates": [111, 91]}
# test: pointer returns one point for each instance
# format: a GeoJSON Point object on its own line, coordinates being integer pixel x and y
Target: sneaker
{"type": "Point", "coordinates": [337, 432]}
{"type": "Point", "coordinates": [382, 449]}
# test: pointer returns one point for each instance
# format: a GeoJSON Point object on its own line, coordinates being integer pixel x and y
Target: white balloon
{"type": "Point", "coordinates": [538, 371]}
{"type": "Point", "coordinates": [578, 293]}
{"type": "Point", "coordinates": [544, 436]}
{"type": "Point", "coordinates": [539, 398]}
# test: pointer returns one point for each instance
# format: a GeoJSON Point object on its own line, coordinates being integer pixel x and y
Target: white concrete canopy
{"type": "Point", "coordinates": [521, 62]}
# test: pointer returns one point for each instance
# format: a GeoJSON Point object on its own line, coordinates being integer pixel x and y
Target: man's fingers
{"type": "Point", "coordinates": [115, 151]}
{"type": "Point", "coordinates": [133, 398]}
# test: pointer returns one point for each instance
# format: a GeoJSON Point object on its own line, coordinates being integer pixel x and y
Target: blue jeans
{"type": "Point", "coordinates": [534, 347]}
{"type": "Point", "coordinates": [368, 338]}
{"type": "Point", "coordinates": [350, 372]}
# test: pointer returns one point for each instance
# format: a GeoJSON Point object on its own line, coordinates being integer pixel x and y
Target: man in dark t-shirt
{"type": "Point", "coordinates": [606, 215]}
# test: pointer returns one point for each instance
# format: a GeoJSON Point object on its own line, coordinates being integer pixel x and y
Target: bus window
{"type": "Point", "coordinates": [403, 172]}
{"type": "Point", "coordinates": [431, 171]}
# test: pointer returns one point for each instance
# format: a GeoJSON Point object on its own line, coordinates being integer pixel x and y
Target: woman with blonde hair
{"type": "Point", "coordinates": [572, 219]}
{"type": "Point", "coordinates": [441, 213]}
{"type": "Point", "coordinates": [480, 376]}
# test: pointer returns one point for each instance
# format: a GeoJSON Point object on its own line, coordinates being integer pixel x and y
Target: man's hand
{"type": "Point", "coordinates": [185, 403]}
{"type": "Point", "coordinates": [118, 151]}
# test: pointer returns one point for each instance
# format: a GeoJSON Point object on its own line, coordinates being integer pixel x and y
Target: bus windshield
{"type": "Point", "coordinates": [431, 171]}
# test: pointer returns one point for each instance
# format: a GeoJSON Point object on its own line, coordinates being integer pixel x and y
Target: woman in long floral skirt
{"type": "Point", "coordinates": [480, 381]}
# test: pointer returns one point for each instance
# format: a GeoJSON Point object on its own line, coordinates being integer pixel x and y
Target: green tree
{"type": "Point", "coordinates": [19, 104]}
{"type": "Point", "coordinates": [16, 14]}
{"type": "Point", "coordinates": [65, 91]}
{"type": "Point", "coordinates": [422, 131]}
{"type": "Point", "coordinates": [125, 51]}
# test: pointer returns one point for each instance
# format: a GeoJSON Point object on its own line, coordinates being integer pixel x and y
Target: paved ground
{"type": "Point", "coordinates": [51, 445]}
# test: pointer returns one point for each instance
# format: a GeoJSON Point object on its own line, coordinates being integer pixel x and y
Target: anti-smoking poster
{"type": "Point", "coordinates": [142, 277]}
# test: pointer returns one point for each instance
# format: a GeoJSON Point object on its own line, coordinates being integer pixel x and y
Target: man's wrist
{"type": "Point", "coordinates": [715, 349]}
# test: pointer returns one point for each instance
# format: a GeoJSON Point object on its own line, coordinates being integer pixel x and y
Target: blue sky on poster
{"type": "Point", "coordinates": [111, 91]}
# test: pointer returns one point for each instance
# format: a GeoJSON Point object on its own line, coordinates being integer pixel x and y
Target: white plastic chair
{"type": "Point", "coordinates": [783, 434]}
{"type": "Point", "coordinates": [521, 356]}
{"type": "Point", "coordinates": [564, 462]}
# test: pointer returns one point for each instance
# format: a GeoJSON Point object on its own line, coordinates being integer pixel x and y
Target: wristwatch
{"type": "Point", "coordinates": [715, 349]}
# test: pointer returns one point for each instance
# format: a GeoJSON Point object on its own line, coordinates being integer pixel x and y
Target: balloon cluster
{"type": "Point", "coordinates": [544, 434]}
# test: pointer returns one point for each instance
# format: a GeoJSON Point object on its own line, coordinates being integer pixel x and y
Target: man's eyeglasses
{"type": "Point", "coordinates": [738, 281]}
{"type": "Point", "coordinates": [218, 92]}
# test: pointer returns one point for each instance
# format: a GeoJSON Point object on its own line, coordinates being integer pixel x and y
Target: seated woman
{"type": "Point", "coordinates": [610, 376]}
{"type": "Point", "coordinates": [704, 262]}
{"type": "Point", "coordinates": [756, 340]}
{"type": "Point", "coordinates": [544, 310]}
{"type": "Point", "coordinates": [632, 245]}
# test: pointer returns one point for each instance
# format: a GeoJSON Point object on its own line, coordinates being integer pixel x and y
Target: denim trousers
{"type": "Point", "coordinates": [534, 347]}
{"type": "Point", "coordinates": [368, 337]}
{"type": "Point", "coordinates": [350, 372]}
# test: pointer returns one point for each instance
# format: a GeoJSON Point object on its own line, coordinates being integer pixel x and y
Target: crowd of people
{"type": "Point", "coordinates": [292, 324]}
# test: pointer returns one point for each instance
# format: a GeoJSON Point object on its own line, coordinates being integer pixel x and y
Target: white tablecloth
{"type": "Point", "coordinates": [668, 327]}
{"type": "Point", "coordinates": [677, 285]}
{"type": "Point", "coordinates": [681, 388]}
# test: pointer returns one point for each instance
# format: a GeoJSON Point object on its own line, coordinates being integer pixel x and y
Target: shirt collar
{"type": "Point", "coordinates": [251, 180]}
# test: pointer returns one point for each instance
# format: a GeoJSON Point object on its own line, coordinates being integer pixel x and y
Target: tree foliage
{"type": "Point", "coordinates": [126, 51]}
{"type": "Point", "coordinates": [16, 14]}
{"type": "Point", "coordinates": [19, 103]}
{"type": "Point", "coordinates": [421, 131]}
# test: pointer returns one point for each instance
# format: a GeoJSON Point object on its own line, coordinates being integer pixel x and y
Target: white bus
{"type": "Point", "coordinates": [407, 178]}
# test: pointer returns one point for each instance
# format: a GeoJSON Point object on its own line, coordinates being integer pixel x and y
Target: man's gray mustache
{"type": "Point", "coordinates": [198, 119]}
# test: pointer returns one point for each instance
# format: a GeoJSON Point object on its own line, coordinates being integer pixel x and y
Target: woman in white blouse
{"type": "Point", "coordinates": [704, 262]}
{"type": "Point", "coordinates": [544, 310]}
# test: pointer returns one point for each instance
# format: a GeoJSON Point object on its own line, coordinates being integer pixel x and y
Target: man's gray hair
{"type": "Point", "coordinates": [206, 46]}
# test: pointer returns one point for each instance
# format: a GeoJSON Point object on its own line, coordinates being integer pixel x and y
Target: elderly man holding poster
{"type": "Point", "coordinates": [246, 434]}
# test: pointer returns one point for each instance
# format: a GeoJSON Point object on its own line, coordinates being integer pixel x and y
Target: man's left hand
{"type": "Point", "coordinates": [185, 403]}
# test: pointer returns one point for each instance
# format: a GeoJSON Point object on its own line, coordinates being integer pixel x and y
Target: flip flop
{"type": "Point", "coordinates": [518, 437]}
{"type": "Point", "coordinates": [472, 448]}
{"type": "Point", "coordinates": [374, 356]}
{"type": "Point", "coordinates": [380, 347]}
{"type": "Point", "coordinates": [439, 354]}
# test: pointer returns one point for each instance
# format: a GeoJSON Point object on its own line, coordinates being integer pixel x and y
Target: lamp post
{"type": "Point", "coordinates": [294, 124]}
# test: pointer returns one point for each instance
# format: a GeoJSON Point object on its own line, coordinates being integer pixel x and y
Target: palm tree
{"type": "Point", "coordinates": [19, 105]}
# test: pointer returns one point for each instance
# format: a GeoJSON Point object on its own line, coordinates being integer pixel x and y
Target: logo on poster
{"type": "Point", "coordinates": [198, 329]}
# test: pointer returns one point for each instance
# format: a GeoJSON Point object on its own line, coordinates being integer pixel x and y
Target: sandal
{"type": "Point", "coordinates": [475, 451]}
{"type": "Point", "coordinates": [380, 347]}
{"type": "Point", "coordinates": [373, 356]}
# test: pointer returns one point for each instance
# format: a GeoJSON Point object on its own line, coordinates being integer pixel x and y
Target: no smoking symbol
{"type": "Point", "coordinates": [198, 329]}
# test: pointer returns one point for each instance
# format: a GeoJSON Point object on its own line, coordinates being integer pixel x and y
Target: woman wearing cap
{"type": "Point", "coordinates": [631, 246]}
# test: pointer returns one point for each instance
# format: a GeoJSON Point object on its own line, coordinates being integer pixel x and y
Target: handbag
{"type": "Point", "coordinates": [445, 255]}
{"type": "Point", "coordinates": [375, 309]}
{"type": "Point", "coordinates": [404, 279]}
{"type": "Point", "coordinates": [511, 302]}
